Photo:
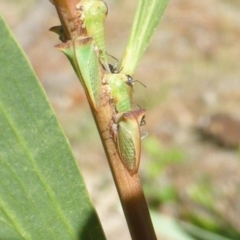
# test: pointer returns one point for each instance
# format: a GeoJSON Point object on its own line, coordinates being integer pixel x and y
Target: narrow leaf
{"type": "Point", "coordinates": [148, 15]}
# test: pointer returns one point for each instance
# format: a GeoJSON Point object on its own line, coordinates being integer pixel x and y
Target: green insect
{"type": "Point", "coordinates": [128, 137]}
{"type": "Point", "coordinates": [93, 14]}
{"type": "Point", "coordinates": [121, 87]}
{"type": "Point", "coordinates": [121, 91]}
{"type": "Point", "coordinates": [83, 55]}
{"type": "Point", "coordinates": [126, 129]}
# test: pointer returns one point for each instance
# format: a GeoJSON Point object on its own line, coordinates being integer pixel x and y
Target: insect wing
{"type": "Point", "coordinates": [68, 49]}
{"type": "Point", "coordinates": [94, 15]}
{"type": "Point", "coordinates": [129, 144]}
{"type": "Point", "coordinates": [89, 67]}
{"type": "Point", "coordinates": [129, 139]}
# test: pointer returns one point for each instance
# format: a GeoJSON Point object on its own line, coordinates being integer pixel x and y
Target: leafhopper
{"type": "Point", "coordinates": [129, 139]}
{"type": "Point", "coordinates": [93, 14]}
{"type": "Point", "coordinates": [83, 55]}
{"type": "Point", "coordinates": [121, 91]}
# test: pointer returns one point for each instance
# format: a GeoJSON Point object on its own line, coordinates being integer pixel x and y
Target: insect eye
{"type": "Point", "coordinates": [130, 80]}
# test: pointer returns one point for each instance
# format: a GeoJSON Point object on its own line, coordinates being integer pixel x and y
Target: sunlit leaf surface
{"type": "Point", "coordinates": [42, 194]}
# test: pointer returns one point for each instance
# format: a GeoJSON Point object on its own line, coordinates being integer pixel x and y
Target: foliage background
{"type": "Point", "coordinates": [191, 70]}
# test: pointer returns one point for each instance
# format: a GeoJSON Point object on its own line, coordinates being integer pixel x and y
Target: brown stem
{"type": "Point", "coordinates": [129, 186]}
{"type": "Point", "coordinates": [68, 16]}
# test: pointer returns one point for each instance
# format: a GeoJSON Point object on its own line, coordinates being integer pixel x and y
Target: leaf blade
{"type": "Point", "coordinates": [42, 194]}
{"type": "Point", "coordinates": [147, 17]}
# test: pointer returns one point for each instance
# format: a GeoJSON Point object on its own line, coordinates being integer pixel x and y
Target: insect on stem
{"type": "Point", "coordinates": [129, 139]}
{"type": "Point", "coordinates": [83, 56]}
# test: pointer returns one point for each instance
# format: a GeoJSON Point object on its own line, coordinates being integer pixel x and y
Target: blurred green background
{"type": "Point", "coordinates": [191, 70]}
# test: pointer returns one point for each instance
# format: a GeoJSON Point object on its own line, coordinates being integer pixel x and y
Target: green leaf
{"type": "Point", "coordinates": [200, 233]}
{"type": "Point", "coordinates": [175, 229]}
{"type": "Point", "coordinates": [169, 227]}
{"type": "Point", "coordinates": [42, 194]}
{"type": "Point", "coordinates": [147, 17]}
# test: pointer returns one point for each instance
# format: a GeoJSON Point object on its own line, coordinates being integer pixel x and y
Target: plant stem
{"type": "Point", "coordinates": [67, 13]}
{"type": "Point", "coordinates": [128, 186]}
